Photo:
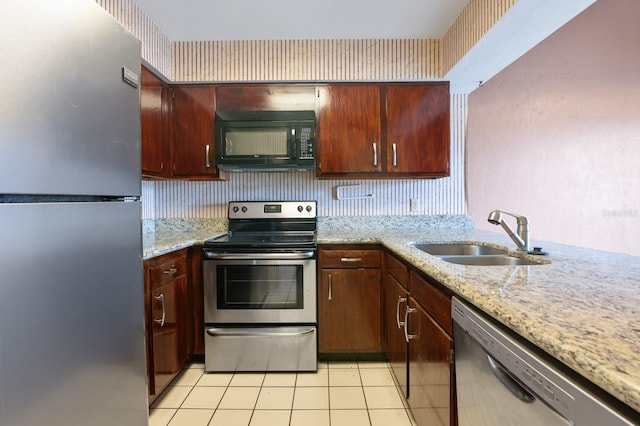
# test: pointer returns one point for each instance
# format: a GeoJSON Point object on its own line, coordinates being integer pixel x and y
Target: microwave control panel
{"type": "Point", "coordinates": [306, 143]}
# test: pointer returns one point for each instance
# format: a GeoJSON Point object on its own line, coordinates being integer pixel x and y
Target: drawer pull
{"type": "Point", "coordinates": [350, 259]}
{"type": "Point", "coordinates": [160, 321]}
{"type": "Point", "coordinates": [171, 270]}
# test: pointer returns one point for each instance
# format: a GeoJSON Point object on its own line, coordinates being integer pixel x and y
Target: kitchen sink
{"type": "Point", "coordinates": [489, 260]}
{"type": "Point", "coordinates": [459, 249]}
{"type": "Point", "coordinates": [474, 254]}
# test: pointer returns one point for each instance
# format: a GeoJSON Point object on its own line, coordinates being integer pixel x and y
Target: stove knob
{"type": "Point", "coordinates": [309, 209]}
{"type": "Point", "coordinates": [235, 209]}
{"type": "Point", "coordinates": [244, 209]}
{"type": "Point", "coordinates": [300, 209]}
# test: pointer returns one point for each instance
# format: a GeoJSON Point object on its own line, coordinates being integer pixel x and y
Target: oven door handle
{"type": "Point", "coordinates": [236, 333]}
{"type": "Point", "coordinates": [260, 256]}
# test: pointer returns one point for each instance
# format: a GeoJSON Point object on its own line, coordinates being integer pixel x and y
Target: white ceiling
{"type": "Point", "coordinates": [206, 20]}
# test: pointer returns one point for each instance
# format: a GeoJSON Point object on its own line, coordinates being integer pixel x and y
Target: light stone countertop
{"type": "Point", "coordinates": [583, 308]}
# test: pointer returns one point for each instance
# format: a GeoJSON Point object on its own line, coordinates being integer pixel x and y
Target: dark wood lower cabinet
{"type": "Point", "coordinates": [349, 311]}
{"type": "Point", "coordinates": [170, 331]}
{"type": "Point", "coordinates": [395, 298]}
{"type": "Point", "coordinates": [168, 318]}
{"type": "Point", "coordinates": [430, 355]}
{"type": "Point", "coordinates": [419, 344]}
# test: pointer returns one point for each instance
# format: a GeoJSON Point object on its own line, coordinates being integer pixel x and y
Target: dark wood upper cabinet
{"type": "Point", "coordinates": [265, 97]}
{"type": "Point", "coordinates": [378, 130]}
{"type": "Point", "coordinates": [348, 130]}
{"type": "Point", "coordinates": [194, 132]}
{"type": "Point", "coordinates": [155, 102]}
{"type": "Point", "coordinates": [363, 130]}
{"type": "Point", "coordinates": [417, 137]}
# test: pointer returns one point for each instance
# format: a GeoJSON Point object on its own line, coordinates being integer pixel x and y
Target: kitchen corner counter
{"type": "Point", "coordinates": [582, 309]}
{"type": "Point", "coordinates": [167, 235]}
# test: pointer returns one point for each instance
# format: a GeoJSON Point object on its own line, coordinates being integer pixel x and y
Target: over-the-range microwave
{"type": "Point", "coordinates": [265, 140]}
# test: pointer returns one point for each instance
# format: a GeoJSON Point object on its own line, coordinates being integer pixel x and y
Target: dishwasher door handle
{"type": "Point", "coordinates": [505, 378]}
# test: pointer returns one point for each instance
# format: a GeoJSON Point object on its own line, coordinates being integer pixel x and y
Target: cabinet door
{"type": "Point", "coordinates": [349, 311]}
{"type": "Point", "coordinates": [417, 141]}
{"type": "Point", "coordinates": [154, 99]}
{"type": "Point", "coordinates": [348, 129]}
{"type": "Point", "coordinates": [395, 305]}
{"type": "Point", "coordinates": [430, 355]}
{"type": "Point", "coordinates": [170, 330]}
{"type": "Point", "coordinates": [193, 132]}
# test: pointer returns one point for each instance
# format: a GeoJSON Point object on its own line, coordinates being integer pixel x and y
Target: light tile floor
{"type": "Point", "coordinates": [338, 394]}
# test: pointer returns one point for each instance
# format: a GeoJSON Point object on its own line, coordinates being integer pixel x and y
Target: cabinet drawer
{"type": "Point", "coordinates": [397, 270]}
{"type": "Point", "coordinates": [350, 259]}
{"type": "Point", "coordinates": [434, 302]}
{"type": "Point", "coordinates": [169, 269]}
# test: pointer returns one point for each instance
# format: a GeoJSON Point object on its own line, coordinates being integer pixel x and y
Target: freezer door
{"type": "Point", "coordinates": [69, 124]}
{"type": "Point", "coordinates": [72, 345]}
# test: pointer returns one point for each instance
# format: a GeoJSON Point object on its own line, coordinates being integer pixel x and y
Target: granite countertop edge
{"type": "Point", "coordinates": [582, 308]}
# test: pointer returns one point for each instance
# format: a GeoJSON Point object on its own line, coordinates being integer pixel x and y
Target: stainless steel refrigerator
{"type": "Point", "coordinates": [71, 283]}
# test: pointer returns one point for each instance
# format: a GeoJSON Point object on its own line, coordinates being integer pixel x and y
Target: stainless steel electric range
{"type": "Point", "coordinates": [260, 289]}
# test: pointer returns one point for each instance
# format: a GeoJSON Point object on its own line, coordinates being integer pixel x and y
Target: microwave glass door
{"type": "Point", "coordinates": [256, 141]}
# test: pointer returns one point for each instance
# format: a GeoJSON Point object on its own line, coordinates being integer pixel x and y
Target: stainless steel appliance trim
{"type": "Point", "coordinates": [280, 348]}
{"type": "Point", "coordinates": [307, 315]}
{"type": "Point", "coordinates": [254, 332]}
{"type": "Point", "coordinates": [259, 256]}
{"type": "Point", "coordinates": [559, 399]}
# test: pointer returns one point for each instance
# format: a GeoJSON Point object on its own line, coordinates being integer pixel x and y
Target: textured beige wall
{"type": "Point", "coordinates": [556, 135]}
{"type": "Point", "coordinates": [471, 25]}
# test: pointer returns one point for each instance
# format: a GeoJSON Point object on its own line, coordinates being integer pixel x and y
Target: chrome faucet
{"type": "Point", "coordinates": [522, 237]}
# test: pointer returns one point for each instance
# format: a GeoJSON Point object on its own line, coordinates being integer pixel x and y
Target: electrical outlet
{"type": "Point", "coordinates": [414, 204]}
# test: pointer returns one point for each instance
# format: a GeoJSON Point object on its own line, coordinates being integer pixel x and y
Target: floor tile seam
{"type": "Point", "coordinates": [175, 411]}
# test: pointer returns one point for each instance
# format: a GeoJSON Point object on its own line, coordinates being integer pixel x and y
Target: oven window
{"type": "Point", "coordinates": [259, 286]}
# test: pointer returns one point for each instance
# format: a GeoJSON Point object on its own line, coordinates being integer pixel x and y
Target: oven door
{"type": "Point", "coordinates": [260, 288]}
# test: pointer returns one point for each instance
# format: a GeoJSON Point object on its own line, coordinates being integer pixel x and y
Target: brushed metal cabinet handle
{"type": "Point", "coordinates": [395, 155]}
{"type": "Point", "coordinates": [400, 300]}
{"type": "Point", "coordinates": [171, 270]}
{"type": "Point", "coordinates": [350, 259]}
{"type": "Point", "coordinates": [161, 320]}
{"type": "Point", "coordinates": [375, 154]}
{"type": "Point", "coordinates": [207, 149]}
{"type": "Point", "coordinates": [408, 336]}
{"type": "Point", "coordinates": [330, 285]}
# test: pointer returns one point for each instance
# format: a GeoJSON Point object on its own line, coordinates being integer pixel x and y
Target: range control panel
{"type": "Point", "coordinates": [272, 210]}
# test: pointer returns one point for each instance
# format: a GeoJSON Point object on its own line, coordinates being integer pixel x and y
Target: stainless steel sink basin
{"type": "Point", "coordinates": [489, 260]}
{"type": "Point", "coordinates": [474, 254]}
{"type": "Point", "coordinates": [459, 249]}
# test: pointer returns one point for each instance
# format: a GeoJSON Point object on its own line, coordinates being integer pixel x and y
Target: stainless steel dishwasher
{"type": "Point", "coordinates": [501, 382]}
